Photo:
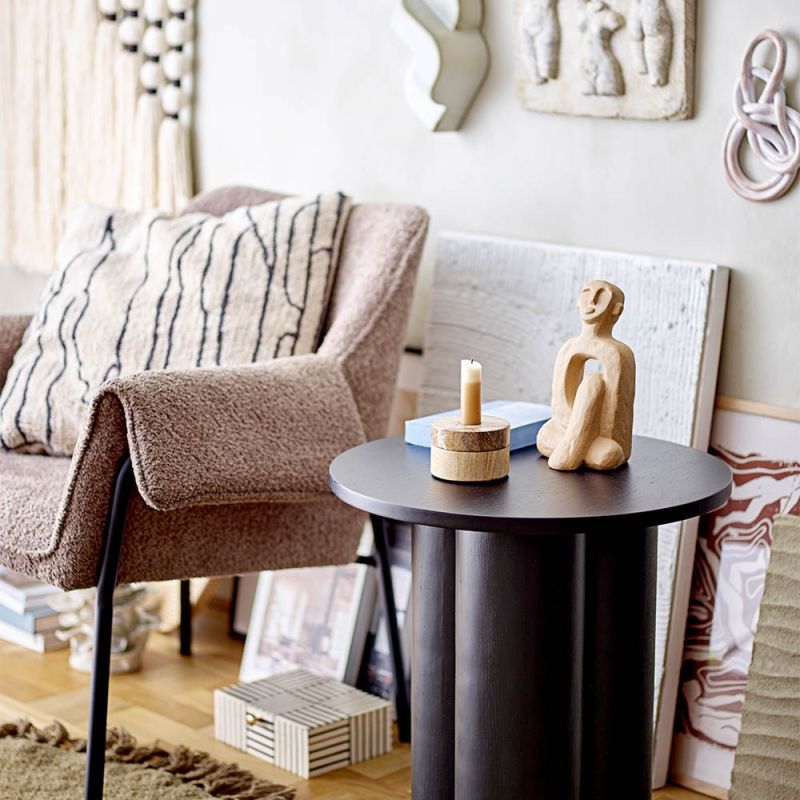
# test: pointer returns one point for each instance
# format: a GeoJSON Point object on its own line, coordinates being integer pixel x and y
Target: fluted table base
{"type": "Point", "coordinates": [533, 665]}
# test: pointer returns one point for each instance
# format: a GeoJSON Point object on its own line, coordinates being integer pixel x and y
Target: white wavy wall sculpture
{"type": "Point", "coordinates": [450, 61]}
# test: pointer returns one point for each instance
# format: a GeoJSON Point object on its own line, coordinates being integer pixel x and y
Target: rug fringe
{"type": "Point", "coordinates": [190, 766]}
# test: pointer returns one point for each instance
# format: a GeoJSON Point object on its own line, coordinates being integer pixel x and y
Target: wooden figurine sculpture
{"type": "Point", "coordinates": [592, 420]}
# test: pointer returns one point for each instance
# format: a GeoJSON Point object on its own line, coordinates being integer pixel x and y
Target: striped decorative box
{"type": "Point", "coordinates": [302, 722]}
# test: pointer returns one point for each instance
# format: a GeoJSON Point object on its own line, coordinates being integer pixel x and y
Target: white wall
{"type": "Point", "coordinates": [18, 290]}
{"type": "Point", "coordinates": [308, 94]}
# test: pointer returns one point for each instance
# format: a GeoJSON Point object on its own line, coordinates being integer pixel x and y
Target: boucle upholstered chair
{"type": "Point", "coordinates": [217, 471]}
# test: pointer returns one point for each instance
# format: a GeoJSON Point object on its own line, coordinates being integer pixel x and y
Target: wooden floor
{"type": "Point", "coordinates": [172, 700]}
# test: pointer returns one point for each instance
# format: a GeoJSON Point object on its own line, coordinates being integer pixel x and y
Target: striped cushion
{"type": "Point", "coordinates": [144, 291]}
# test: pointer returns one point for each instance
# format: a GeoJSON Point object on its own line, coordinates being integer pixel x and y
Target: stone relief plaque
{"type": "Point", "coordinates": [632, 59]}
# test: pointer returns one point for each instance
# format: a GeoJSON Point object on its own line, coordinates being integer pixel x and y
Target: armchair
{"type": "Point", "coordinates": [217, 471]}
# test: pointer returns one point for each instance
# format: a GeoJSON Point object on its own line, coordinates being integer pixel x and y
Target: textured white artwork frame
{"type": "Point", "coordinates": [450, 58]}
{"type": "Point", "coordinates": [510, 304]}
{"type": "Point", "coordinates": [606, 58]}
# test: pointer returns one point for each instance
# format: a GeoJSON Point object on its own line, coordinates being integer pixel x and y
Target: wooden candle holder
{"type": "Point", "coordinates": [470, 453]}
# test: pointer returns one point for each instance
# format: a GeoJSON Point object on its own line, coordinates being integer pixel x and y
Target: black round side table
{"type": "Point", "coordinates": [533, 609]}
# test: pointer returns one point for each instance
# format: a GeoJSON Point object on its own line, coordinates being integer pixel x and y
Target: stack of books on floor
{"type": "Point", "coordinates": [26, 618]}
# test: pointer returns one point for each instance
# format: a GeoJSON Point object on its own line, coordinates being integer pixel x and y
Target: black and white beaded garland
{"type": "Point", "coordinates": [174, 174]}
{"type": "Point", "coordinates": [154, 45]}
{"type": "Point", "coordinates": [144, 184]}
{"type": "Point", "coordinates": [128, 64]}
{"type": "Point", "coordinates": [177, 61]}
{"type": "Point", "coordinates": [145, 99]}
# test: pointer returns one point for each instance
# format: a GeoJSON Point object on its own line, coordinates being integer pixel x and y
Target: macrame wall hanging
{"type": "Point", "coordinates": [95, 106]}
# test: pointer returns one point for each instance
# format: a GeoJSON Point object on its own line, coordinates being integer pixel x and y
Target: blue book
{"type": "Point", "coordinates": [40, 620]}
{"type": "Point", "coordinates": [525, 419]}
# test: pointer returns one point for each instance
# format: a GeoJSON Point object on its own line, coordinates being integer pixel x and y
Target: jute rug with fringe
{"type": "Point", "coordinates": [47, 764]}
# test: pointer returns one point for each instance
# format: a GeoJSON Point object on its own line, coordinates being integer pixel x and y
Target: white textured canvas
{"type": "Point", "coordinates": [145, 291]}
{"type": "Point", "coordinates": [510, 304]}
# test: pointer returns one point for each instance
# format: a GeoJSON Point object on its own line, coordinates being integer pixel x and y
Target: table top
{"type": "Point", "coordinates": [661, 483]}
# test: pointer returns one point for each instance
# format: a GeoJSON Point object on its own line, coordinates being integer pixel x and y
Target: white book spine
{"type": "Point", "coordinates": [40, 642]}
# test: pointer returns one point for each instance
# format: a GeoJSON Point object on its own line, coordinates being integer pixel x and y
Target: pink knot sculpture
{"type": "Point", "coordinates": [772, 128]}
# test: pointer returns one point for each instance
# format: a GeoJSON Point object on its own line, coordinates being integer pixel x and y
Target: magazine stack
{"type": "Point", "coordinates": [26, 617]}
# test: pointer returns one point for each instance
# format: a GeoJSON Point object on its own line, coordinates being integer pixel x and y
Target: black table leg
{"type": "Point", "coordinates": [433, 665]}
{"type": "Point", "coordinates": [380, 531]}
{"type": "Point", "coordinates": [618, 665]}
{"type": "Point", "coordinates": [518, 654]}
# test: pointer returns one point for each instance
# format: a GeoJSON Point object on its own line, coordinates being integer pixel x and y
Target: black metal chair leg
{"type": "Point", "coordinates": [232, 632]}
{"type": "Point", "coordinates": [402, 703]}
{"type": "Point", "coordinates": [104, 614]}
{"type": "Point", "coordinates": [186, 618]}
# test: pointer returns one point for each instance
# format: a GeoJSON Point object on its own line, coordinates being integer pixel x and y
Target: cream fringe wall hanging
{"type": "Point", "coordinates": [95, 106]}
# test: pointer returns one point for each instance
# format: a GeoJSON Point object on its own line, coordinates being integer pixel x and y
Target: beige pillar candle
{"type": "Point", "coordinates": [470, 392]}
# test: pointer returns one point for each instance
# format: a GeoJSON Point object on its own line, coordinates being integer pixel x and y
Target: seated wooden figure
{"type": "Point", "coordinates": [592, 422]}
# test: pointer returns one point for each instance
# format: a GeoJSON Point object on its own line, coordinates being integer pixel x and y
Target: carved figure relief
{"type": "Point", "coordinates": [601, 71]}
{"type": "Point", "coordinates": [540, 39]}
{"type": "Point", "coordinates": [630, 59]}
{"type": "Point", "coordinates": [651, 39]}
{"type": "Point", "coordinates": [592, 422]}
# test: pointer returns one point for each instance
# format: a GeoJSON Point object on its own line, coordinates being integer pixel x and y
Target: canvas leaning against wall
{"type": "Point", "coordinates": [315, 619]}
{"type": "Point", "coordinates": [728, 582]}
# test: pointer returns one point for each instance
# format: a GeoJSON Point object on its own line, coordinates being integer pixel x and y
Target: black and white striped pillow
{"type": "Point", "coordinates": [143, 291]}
